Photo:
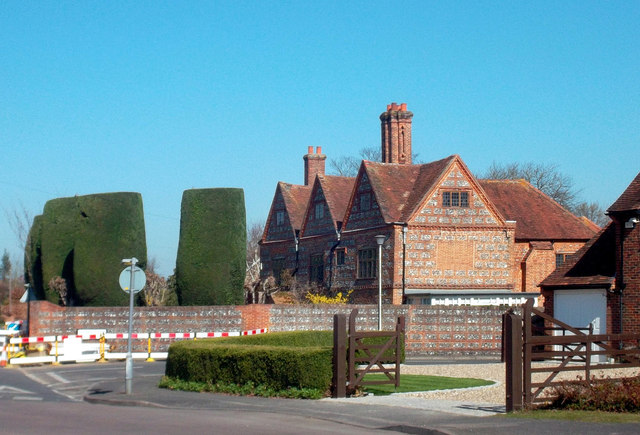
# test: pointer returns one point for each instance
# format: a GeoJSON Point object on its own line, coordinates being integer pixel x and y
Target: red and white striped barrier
{"type": "Point", "coordinates": [101, 353]}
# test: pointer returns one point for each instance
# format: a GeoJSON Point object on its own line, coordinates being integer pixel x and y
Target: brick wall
{"type": "Point", "coordinates": [631, 275]}
{"type": "Point", "coordinates": [431, 330]}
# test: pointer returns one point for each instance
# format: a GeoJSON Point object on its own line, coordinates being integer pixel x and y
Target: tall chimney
{"type": "Point", "coordinates": [396, 134]}
{"type": "Point", "coordinates": [313, 164]}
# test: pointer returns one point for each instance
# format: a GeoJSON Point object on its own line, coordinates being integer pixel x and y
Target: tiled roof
{"type": "Point", "coordinates": [593, 265]}
{"type": "Point", "coordinates": [337, 191]}
{"type": "Point", "coordinates": [296, 198]}
{"type": "Point", "coordinates": [630, 198]}
{"type": "Point", "coordinates": [400, 188]}
{"type": "Point", "coordinates": [537, 216]}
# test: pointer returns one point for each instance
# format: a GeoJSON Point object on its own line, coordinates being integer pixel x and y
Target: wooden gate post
{"type": "Point", "coordinates": [339, 356]}
{"type": "Point", "coordinates": [512, 348]}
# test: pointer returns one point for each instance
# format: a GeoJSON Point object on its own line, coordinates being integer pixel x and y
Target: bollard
{"type": "Point", "coordinates": [56, 362]}
{"type": "Point", "coordinates": [149, 359]}
{"type": "Point", "coordinates": [103, 340]}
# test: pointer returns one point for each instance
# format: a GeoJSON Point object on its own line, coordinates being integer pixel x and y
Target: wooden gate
{"type": "Point", "coordinates": [563, 347]}
{"type": "Point", "coordinates": [364, 352]}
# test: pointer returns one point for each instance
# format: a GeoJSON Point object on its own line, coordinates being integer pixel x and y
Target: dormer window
{"type": "Point", "coordinates": [319, 211]}
{"type": "Point", "coordinates": [280, 218]}
{"type": "Point", "coordinates": [455, 199]}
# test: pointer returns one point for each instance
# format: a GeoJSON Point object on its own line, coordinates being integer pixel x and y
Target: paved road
{"type": "Point", "coordinates": [48, 399]}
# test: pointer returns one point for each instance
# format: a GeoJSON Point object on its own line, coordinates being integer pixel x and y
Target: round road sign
{"type": "Point", "coordinates": [139, 279]}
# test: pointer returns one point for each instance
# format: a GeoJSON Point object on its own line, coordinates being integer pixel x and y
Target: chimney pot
{"type": "Point", "coordinates": [309, 150]}
{"type": "Point", "coordinates": [318, 150]}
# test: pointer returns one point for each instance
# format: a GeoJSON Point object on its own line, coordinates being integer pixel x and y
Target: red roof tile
{"type": "Point", "coordinates": [630, 198]}
{"type": "Point", "coordinates": [400, 188]}
{"type": "Point", "coordinates": [593, 264]}
{"type": "Point", "coordinates": [296, 198]}
{"type": "Point", "coordinates": [537, 216]}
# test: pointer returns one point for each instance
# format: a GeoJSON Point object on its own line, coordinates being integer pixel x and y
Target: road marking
{"type": "Point", "coordinates": [13, 390]}
{"type": "Point", "coordinates": [57, 377]}
{"type": "Point", "coordinates": [27, 398]}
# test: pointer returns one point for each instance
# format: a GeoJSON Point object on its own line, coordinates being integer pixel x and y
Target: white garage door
{"type": "Point", "coordinates": [579, 308]}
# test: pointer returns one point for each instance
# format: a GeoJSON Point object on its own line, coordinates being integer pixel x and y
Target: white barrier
{"type": "Point", "coordinates": [70, 348]}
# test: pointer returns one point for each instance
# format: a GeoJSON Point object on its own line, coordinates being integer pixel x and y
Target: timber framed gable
{"type": "Point", "coordinates": [456, 199]}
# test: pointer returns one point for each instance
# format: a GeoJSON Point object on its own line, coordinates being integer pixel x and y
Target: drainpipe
{"type": "Point", "coordinates": [332, 252]}
{"type": "Point", "coordinates": [622, 285]}
{"type": "Point", "coordinates": [296, 237]}
{"type": "Point", "coordinates": [404, 262]}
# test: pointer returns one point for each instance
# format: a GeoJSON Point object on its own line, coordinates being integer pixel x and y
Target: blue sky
{"type": "Point", "coordinates": [160, 97]}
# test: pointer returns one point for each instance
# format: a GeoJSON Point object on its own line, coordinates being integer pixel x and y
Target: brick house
{"type": "Point", "coordinates": [449, 238]}
{"type": "Point", "coordinates": [600, 284]}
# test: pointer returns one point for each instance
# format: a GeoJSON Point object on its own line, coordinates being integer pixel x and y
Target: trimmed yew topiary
{"type": "Point", "coordinates": [210, 264]}
{"type": "Point", "coordinates": [83, 240]}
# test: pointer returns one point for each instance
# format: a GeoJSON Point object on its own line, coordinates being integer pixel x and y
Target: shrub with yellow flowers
{"type": "Point", "coordinates": [339, 298]}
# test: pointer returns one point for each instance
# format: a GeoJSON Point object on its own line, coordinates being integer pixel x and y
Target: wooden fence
{"type": "Point", "coordinates": [536, 336]}
{"type": "Point", "coordinates": [364, 352]}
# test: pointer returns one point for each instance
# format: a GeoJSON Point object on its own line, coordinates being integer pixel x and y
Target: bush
{"type": "Point", "coordinates": [211, 259]}
{"type": "Point", "coordinates": [277, 361]}
{"type": "Point", "coordinates": [610, 395]}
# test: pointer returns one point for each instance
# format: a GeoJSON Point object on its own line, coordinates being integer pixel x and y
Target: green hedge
{"type": "Point", "coordinates": [83, 239]}
{"type": "Point", "coordinates": [33, 258]}
{"type": "Point", "coordinates": [211, 258]}
{"type": "Point", "coordinates": [278, 360]}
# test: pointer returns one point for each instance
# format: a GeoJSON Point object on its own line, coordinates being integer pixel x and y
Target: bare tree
{"type": "Point", "coordinates": [59, 285]}
{"type": "Point", "coordinates": [543, 176]}
{"type": "Point", "coordinates": [348, 166]}
{"type": "Point", "coordinates": [592, 211]}
{"type": "Point", "coordinates": [254, 235]}
{"type": "Point", "coordinates": [157, 291]}
{"type": "Point", "coordinates": [5, 266]}
{"type": "Point", "coordinates": [20, 221]}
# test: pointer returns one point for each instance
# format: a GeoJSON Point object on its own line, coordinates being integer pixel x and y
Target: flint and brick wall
{"type": "Point", "coordinates": [430, 330]}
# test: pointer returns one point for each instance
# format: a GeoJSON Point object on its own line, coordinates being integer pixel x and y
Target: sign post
{"type": "Point", "coordinates": [131, 284]}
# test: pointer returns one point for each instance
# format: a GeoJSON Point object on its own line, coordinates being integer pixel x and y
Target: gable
{"type": "Point", "coordinates": [278, 223]}
{"type": "Point", "coordinates": [630, 198]}
{"type": "Point", "coordinates": [456, 199]}
{"type": "Point", "coordinates": [287, 211]}
{"type": "Point", "coordinates": [317, 220]}
{"type": "Point", "coordinates": [363, 208]}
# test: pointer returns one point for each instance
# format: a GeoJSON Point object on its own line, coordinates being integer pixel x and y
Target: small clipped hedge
{"type": "Point", "coordinates": [282, 360]}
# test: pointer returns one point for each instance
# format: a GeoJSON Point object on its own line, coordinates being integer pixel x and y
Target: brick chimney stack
{"type": "Point", "coordinates": [396, 134]}
{"type": "Point", "coordinates": [313, 165]}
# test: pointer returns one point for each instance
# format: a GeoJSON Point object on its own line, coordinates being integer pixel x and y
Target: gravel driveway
{"type": "Point", "coordinates": [490, 371]}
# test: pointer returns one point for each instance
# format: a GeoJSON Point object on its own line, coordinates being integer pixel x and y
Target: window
{"type": "Point", "coordinates": [367, 263]}
{"type": "Point", "coordinates": [319, 211]}
{"type": "Point", "coordinates": [316, 269]}
{"type": "Point", "coordinates": [561, 258]}
{"type": "Point", "coordinates": [280, 218]}
{"type": "Point", "coordinates": [455, 199]}
{"type": "Point", "coordinates": [340, 255]}
{"type": "Point", "coordinates": [277, 266]}
{"type": "Point", "coordinates": [365, 202]}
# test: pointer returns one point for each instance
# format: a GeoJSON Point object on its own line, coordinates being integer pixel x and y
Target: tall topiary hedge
{"type": "Point", "coordinates": [33, 258]}
{"type": "Point", "coordinates": [83, 239]}
{"type": "Point", "coordinates": [211, 259]}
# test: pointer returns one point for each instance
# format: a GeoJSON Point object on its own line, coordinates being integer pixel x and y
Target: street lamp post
{"type": "Point", "coordinates": [380, 239]}
{"type": "Point", "coordinates": [128, 367]}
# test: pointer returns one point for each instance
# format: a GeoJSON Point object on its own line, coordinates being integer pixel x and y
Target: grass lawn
{"type": "Point", "coordinates": [412, 383]}
{"type": "Point", "coordinates": [588, 416]}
